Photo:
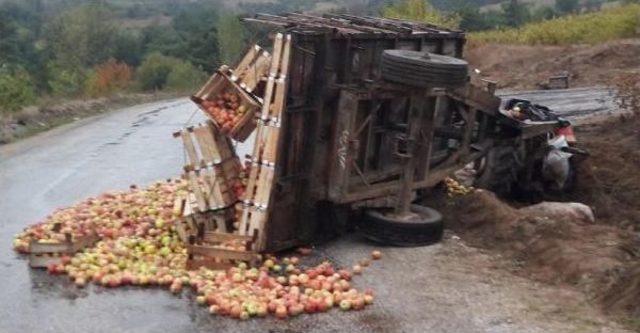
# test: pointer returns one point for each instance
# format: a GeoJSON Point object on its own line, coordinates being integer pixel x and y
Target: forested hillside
{"type": "Point", "coordinates": [79, 48]}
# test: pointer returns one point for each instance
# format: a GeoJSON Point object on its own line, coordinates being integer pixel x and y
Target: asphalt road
{"type": "Point", "coordinates": [443, 288]}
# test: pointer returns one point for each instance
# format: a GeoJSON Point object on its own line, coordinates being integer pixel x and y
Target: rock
{"type": "Point", "coordinates": [561, 210]}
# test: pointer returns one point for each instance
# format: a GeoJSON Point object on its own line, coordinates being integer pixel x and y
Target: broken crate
{"type": "Point", "coordinates": [43, 253]}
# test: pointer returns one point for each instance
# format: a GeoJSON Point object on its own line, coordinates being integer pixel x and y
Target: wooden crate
{"type": "Point", "coordinates": [210, 251]}
{"type": "Point", "coordinates": [212, 168]}
{"type": "Point", "coordinates": [257, 198]}
{"type": "Point", "coordinates": [43, 254]}
{"type": "Point", "coordinates": [251, 70]}
{"type": "Point", "coordinates": [206, 234]}
{"type": "Point", "coordinates": [195, 223]}
{"type": "Point", "coordinates": [220, 83]}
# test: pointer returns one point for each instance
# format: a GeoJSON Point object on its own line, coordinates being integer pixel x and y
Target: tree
{"type": "Point", "coordinates": [83, 36]}
{"type": "Point", "coordinates": [128, 48]}
{"type": "Point", "coordinates": [567, 6]}
{"type": "Point", "coordinates": [543, 13]}
{"type": "Point", "coordinates": [515, 13]}
{"type": "Point", "coordinates": [422, 11]}
{"type": "Point", "coordinates": [196, 26]}
{"type": "Point", "coordinates": [471, 19]}
{"type": "Point", "coordinates": [16, 89]}
{"type": "Point", "coordinates": [230, 37]}
{"type": "Point", "coordinates": [155, 70]}
{"type": "Point", "coordinates": [185, 77]}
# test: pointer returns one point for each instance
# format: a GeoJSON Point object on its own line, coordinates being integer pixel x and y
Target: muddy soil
{"type": "Point", "coordinates": [525, 67]}
{"type": "Point", "coordinates": [600, 257]}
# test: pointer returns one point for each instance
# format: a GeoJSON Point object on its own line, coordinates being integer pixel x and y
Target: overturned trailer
{"type": "Point", "coordinates": [377, 109]}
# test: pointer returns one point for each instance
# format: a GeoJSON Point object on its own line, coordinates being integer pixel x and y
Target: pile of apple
{"type": "Point", "coordinates": [226, 109]}
{"type": "Point", "coordinates": [111, 215]}
{"type": "Point", "coordinates": [454, 188]}
{"type": "Point", "coordinates": [280, 289]}
{"type": "Point", "coordinates": [139, 246]}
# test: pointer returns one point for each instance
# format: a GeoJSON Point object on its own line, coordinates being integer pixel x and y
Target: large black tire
{"type": "Point", "coordinates": [423, 69]}
{"type": "Point", "coordinates": [380, 227]}
{"type": "Point", "coordinates": [499, 170]}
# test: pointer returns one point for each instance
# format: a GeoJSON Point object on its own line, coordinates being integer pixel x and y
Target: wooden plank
{"type": "Point", "coordinates": [178, 206]}
{"type": "Point", "coordinates": [248, 59]}
{"type": "Point", "coordinates": [254, 75]}
{"type": "Point", "coordinates": [66, 247]}
{"type": "Point", "coordinates": [216, 200]}
{"type": "Point", "coordinates": [249, 192]}
{"type": "Point", "coordinates": [258, 145]}
{"type": "Point", "coordinates": [36, 247]}
{"type": "Point", "coordinates": [190, 148]}
{"type": "Point", "coordinates": [256, 220]}
{"type": "Point", "coordinates": [182, 231]}
{"type": "Point", "coordinates": [259, 216]}
{"type": "Point", "coordinates": [196, 190]}
{"type": "Point", "coordinates": [207, 145]}
{"type": "Point", "coordinates": [217, 237]}
{"type": "Point", "coordinates": [210, 251]}
{"type": "Point", "coordinates": [43, 260]}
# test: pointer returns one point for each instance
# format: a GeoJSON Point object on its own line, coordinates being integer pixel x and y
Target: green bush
{"type": "Point", "coordinates": [185, 77]}
{"type": "Point", "coordinates": [615, 23]}
{"type": "Point", "coordinates": [16, 89]}
{"type": "Point", "coordinates": [66, 81]}
{"type": "Point", "coordinates": [159, 72]}
{"type": "Point", "coordinates": [420, 10]}
{"type": "Point", "coordinates": [154, 71]}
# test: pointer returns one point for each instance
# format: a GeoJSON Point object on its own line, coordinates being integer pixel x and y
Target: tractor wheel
{"type": "Point", "coordinates": [498, 170]}
{"type": "Point", "coordinates": [423, 228]}
{"type": "Point", "coordinates": [423, 69]}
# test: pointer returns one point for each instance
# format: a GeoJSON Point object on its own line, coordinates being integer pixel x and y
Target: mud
{"type": "Point", "coordinates": [525, 67]}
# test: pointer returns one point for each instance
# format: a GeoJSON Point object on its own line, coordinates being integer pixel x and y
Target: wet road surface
{"type": "Point", "coordinates": [443, 288]}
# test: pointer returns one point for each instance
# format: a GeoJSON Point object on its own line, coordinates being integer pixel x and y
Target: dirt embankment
{"type": "Point", "coordinates": [525, 66]}
{"type": "Point", "coordinates": [600, 256]}
{"type": "Point", "coordinates": [34, 119]}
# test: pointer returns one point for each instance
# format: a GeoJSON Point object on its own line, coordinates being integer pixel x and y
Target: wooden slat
{"type": "Point", "coordinates": [178, 206]}
{"type": "Point", "coordinates": [66, 247]}
{"type": "Point", "coordinates": [40, 248]}
{"type": "Point", "coordinates": [253, 75]}
{"type": "Point", "coordinates": [190, 148]}
{"type": "Point", "coordinates": [207, 145]}
{"type": "Point", "coordinates": [255, 221]}
{"type": "Point", "coordinates": [216, 200]}
{"type": "Point", "coordinates": [249, 195]}
{"type": "Point", "coordinates": [217, 237]}
{"type": "Point", "coordinates": [210, 251]}
{"type": "Point", "coordinates": [259, 215]}
{"type": "Point", "coordinates": [261, 186]}
{"type": "Point", "coordinates": [248, 59]}
{"type": "Point", "coordinates": [254, 172]}
{"type": "Point", "coordinates": [195, 189]}
{"type": "Point", "coordinates": [42, 260]}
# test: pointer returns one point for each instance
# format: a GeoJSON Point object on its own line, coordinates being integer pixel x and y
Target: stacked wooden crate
{"type": "Point", "coordinates": [260, 182]}
{"type": "Point", "coordinates": [213, 174]}
{"type": "Point", "coordinates": [212, 169]}
{"type": "Point", "coordinates": [218, 232]}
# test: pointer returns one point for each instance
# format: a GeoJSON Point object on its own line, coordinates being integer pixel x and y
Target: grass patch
{"type": "Point", "coordinates": [615, 23]}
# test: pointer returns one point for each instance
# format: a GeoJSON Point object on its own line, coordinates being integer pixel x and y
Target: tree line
{"type": "Point", "coordinates": [88, 49]}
